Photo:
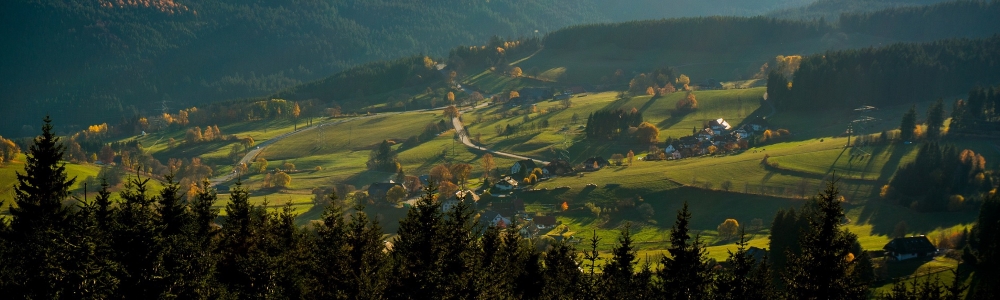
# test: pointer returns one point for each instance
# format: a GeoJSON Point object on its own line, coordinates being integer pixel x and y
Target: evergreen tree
{"type": "Point", "coordinates": [458, 261]}
{"type": "Point", "coordinates": [137, 243]}
{"type": "Point", "coordinates": [826, 268]}
{"type": "Point", "coordinates": [240, 264]}
{"type": "Point", "coordinates": [685, 274]}
{"type": "Point", "coordinates": [287, 255]}
{"type": "Point", "coordinates": [332, 252]}
{"type": "Point", "coordinates": [746, 278]}
{"type": "Point", "coordinates": [39, 222]}
{"type": "Point", "coordinates": [986, 241]}
{"type": "Point", "coordinates": [619, 278]}
{"type": "Point", "coordinates": [90, 267]}
{"type": "Point", "coordinates": [591, 281]}
{"type": "Point", "coordinates": [908, 124]}
{"type": "Point", "coordinates": [561, 276]}
{"type": "Point", "coordinates": [935, 119]}
{"type": "Point", "coordinates": [367, 261]}
{"type": "Point", "coordinates": [417, 253]}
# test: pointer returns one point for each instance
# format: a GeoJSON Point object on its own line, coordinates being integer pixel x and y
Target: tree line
{"type": "Point", "coordinates": [892, 75]}
{"type": "Point", "coordinates": [979, 114]}
{"type": "Point", "coordinates": [158, 245]}
{"type": "Point", "coordinates": [611, 124]}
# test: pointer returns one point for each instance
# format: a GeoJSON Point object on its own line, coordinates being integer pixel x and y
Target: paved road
{"type": "Point", "coordinates": [464, 136]}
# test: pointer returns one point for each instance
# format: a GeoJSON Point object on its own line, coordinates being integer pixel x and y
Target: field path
{"type": "Point", "coordinates": [464, 136]}
{"type": "Point", "coordinates": [252, 155]}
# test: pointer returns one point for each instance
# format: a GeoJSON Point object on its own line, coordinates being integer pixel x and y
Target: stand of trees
{"type": "Point", "coordinates": [891, 75]}
{"type": "Point", "coordinates": [382, 158]}
{"type": "Point", "coordinates": [979, 114]}
{"type": "Point", "coordinates": [940, 174]}
{"type": "Point", "coordinates": [611, 124]}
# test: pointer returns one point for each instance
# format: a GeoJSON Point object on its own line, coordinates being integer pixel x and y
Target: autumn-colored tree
{"type": "Point", "coordinates": [564, 206]}
{"type": "Point", "coordinates": [412, 183]}
{"type": "Point", "coordinates": [514, 94]}
{"type": "Point", "coordinates": [516, 72]}
{"type": "Point", "coordinates": [92, 158]}
{"type": "Point", "coordinates": [193, 135]}
{"type": "Point", "coordinates": [728, 229]}
{"type": "Point", "coordinates": [650, 91]}
{"type": "Point", "coordinates": [266, 183]}
{"type": "Point", "coordinates": [712, 149]}
{"type": "Point", "coordinates": [647, 133]}
{"type": "Point", "coordinates": [451, 112]}
{"type": "Point", "coordinates": [461, 172]}
{"type": "Point", "coordinates": [787, 65]}
{"type": "Point", "coordinates": [106, 155]}
{"type": "Point", "coordinates": [487, 164]}
{"type": "Point", "coordinates": [450, 97]}
{"type": "Point", "coordinates": [452, 75]}
{"type": "Point", "coordinates": [440, 173]}
{"type": "Point", "coordinates": [428, 63]}
{"type": "Point", "coordinates": [296, 111]}
{"type": "Point", "coordinates": [260, 165]}
{"type": "Point", "coordinates": [9, 150]}
{"type": "Point", "coordinates": [208, 135]}
{"type": "Point", "coordinates": [282, 180]}
{"type": "Point", "coordinates": [688, 103]}
{"type": "Point", "coordinates": [395, 195]}
{"type": "Point", "coordinates": [287, 166]}
{"type": "Point", "coordinates": [631, 157]}
{"type": "Point", "coordinates": [683, 80]}
{"type": "Point", "coordinates": [446, 189]}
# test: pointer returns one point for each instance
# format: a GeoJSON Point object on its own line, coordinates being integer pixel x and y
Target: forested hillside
{"type": "Point", "coordinates": [892, 75]}
{"type": "Point", "coordinates": [830, 10]}
{"type": "Point", "coordinates": [113, 59]}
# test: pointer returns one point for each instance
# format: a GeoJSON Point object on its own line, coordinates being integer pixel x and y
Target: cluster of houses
{"type": "Point", "coordinates": [719, 133]}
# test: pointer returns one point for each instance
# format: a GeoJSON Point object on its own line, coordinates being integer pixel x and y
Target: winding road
{"type": "Point", "coordinates": [464, 136]}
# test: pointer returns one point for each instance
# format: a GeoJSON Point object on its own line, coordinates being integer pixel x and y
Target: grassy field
{"type": "Point", "coordinates": [8, 179]}
{"type": "Point", "coordinates": [564, 133]}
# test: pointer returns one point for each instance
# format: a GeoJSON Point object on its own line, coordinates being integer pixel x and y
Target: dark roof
{"type": "Point", "coordinates": [517, 205]}
{"type": "Point", "coordinates": [559, 167]}
{"type": "Point", "coordinates": [600, 161]}
{"type": "Point", "coordinates": [913, 244]}
{"type": "Point", "coordinates": [528, 164]}
{"type": "Point", "coordinates": [545, 220]}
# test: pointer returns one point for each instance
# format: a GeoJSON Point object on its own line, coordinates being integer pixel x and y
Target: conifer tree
{"type": "Point", "coordinates": [367, 261]}
{"type": "Point", "coordinates": [746, 278]}
{"type": "Point", "coordinates": [908, 124]}
{"type": "Point", "coordinates": [986, 241]}
{"type": "Point", "coordinates": [935, 119]}
{"type": "Point", "coordinates": [826, 267]}
{"type": "Point", "coordinates": [685, 274]}
{"type": "Point", "coordinates": [417, 253]}
{"type": "Point", "coordinates": [561, 278]}
{"type": "Point", "coordinates": [619, 278]}
{"type": "Point", "coordinates": [332, 253]}
{"type": "Point", "coordinates": [136, 242]}
{"type": "Point", "coordinates": [39, 222]}
{"type": "Point", "coordinates": [90, 267]}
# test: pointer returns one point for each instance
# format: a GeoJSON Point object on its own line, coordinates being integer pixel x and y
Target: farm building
{"type": "Point", "coordinates": [909, 247]}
